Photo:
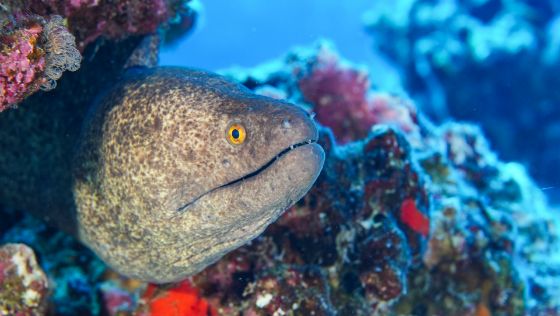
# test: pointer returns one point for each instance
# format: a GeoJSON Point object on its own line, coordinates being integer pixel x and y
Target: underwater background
{"type": "Point", "coordinates": [441, 125]}
{"type": "Point", "coordinates": [513, 46]}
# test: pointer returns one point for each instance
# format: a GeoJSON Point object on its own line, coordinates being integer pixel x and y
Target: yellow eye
{"type": "Point", "coordinates": [236, 134]}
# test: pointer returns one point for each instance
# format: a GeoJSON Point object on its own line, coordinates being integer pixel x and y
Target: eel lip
{"type": "Point", "coordinates": [252, 174]}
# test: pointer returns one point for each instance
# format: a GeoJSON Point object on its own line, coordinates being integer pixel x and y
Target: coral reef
{"type": "Point", "coordinates": [115, 299]}
{"type": "Point", "coordinates": [39, 40]}
{"type": "Point", "coordinates": [341, 98]}
{"type": "Point", "coordinates": [74, 270]}
{"type": "Point", "coordinates": [411, 219]}
{"type": "Point", "coordinates": [20, 61]}
{"type": "Point", "coordinates": [80, 284]}
{"type": "Point", "coordinates": [493, 62]}
{"type": "Point", "coordinates": [34, 52]}
{"type": "Point", "coordinates": [91, 19]}
{"type": "Point", "coordinates": [421, 221]}
{"type": "Point", "coordinates": [24, 285]}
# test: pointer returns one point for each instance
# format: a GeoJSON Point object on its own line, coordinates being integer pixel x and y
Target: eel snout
{"type": "Point", "coordinates": [234, 213]}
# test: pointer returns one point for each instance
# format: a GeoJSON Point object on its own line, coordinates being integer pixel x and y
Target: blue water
{"type": "Point", "coordinates": [249, 32]}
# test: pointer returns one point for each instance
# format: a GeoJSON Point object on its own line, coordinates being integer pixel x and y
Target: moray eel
{"type": "Point", "coordinates": [173, 168]}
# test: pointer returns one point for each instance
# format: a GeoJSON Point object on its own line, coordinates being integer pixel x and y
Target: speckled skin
{"type": "Point", "coordinates": [120, 177]}
{"type": "Point", "coordinates": [152, 170]}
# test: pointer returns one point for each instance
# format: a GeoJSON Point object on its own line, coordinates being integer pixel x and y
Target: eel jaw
{"type": "Point", "coordinates": [252, 174]}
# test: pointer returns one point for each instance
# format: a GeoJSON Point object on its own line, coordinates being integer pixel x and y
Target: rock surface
{"type": "Point", "coordinates": [24, 287]}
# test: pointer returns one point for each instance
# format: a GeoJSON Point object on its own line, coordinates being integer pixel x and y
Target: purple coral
{"type": "Point", "coordinates": [341, 99]}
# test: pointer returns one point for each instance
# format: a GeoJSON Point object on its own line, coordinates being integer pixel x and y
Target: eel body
{"type": "Point", "coordinates": [171, 169]}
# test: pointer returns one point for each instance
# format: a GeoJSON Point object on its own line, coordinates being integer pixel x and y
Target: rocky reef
{"type": "Point", "coordinates": [24, 284]}
{"type": "Point", "coordinates": [406, 218]}
{"type": "Point", "coordinates": [493, 62]}
{"type": "Point", "coordinates": [412, 219]}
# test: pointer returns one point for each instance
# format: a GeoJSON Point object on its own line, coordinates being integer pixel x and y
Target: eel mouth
{"type": "Point", "coordinates": [252, 174]}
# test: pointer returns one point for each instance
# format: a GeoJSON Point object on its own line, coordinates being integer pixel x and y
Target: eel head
{"type": "Point", "coordinates": [177, 167]}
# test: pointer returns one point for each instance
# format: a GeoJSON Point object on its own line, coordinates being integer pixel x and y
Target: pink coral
{"type": "Point", "coordinates": [392, 110]}
{"type": "Point", "coordinates": [340, 98]}
{"type": "Point", "coordinates": [39, 40]}
{"type": "Point", "coordinates": [34, 53]}
{"type": "Point", "coordinates": [72, 5]}
{"type": "Point", "coordinates": [20, 63]}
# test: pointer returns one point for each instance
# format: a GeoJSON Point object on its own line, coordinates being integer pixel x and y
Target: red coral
{"type": "Point", "coordinates": [179, 300]}
{"type": "Point", "coordinates": [416, 220]}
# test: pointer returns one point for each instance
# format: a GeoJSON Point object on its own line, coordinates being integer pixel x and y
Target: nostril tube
{"type": "Point", "coordinates": [286, 123]}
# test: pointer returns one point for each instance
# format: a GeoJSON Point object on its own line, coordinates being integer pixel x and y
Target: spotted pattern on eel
{"type": "Point", "coordinates": [157, 189]}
